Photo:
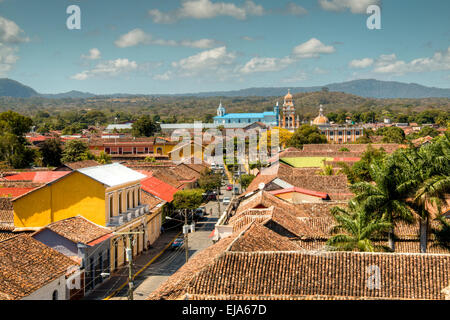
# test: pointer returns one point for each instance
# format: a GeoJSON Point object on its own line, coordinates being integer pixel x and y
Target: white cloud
{"type": "Point", "coordinates": [139, 37]}
{"type": "Point", "coordinates": [108, 68]}
{"type": "Point", "coordinates": [247, 38]}
{"type": "Point", "coordinates": [133, 38]}
{"type": "Point", "coordinates": [297, 77]}
{"type": "Point", "coordinates": [206, 9]}
{"type": "Point", "coordinates": [361, 64]}
{"type": "Point", "coordinates": [440, 61]}
{"type": "Point", "coordinates": [312, 48]}
{"type": "Point", "coordinates": [355, 6]}
{"type": "Point", "coordinates": [8, 58]}
{"type": "Point", "coordinates": [164, 76]}
{"type": "Point", "coordinates": [94, 54]}
{"type": "Point", "coordinates": [295, 10]}
{"type": "Point", "coordinates": [10, 32]}
{"type": "Point", "coordinates": [206, 60]}
{"type": "Point", "coordinates": [258, 64]}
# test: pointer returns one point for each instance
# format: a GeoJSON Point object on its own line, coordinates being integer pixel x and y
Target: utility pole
{"type": "Point", "coordinates": [129, 257]}
{"type": "Point", "coordinates": [186, 231]}
{"type": "Point", "coordinates": [130, 268]}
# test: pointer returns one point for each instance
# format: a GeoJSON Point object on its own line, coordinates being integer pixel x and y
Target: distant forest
{"type": "Point", "coordinates": [72, 115]}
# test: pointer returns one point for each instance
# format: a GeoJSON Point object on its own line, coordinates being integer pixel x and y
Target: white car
{"type": "Point", "coordinates": [226, 200]}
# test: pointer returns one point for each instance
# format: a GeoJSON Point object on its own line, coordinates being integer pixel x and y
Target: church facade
{"type": "Point", "coordinates": [269, 118]}
{"type": "Point", "coordinates": [284, 118]}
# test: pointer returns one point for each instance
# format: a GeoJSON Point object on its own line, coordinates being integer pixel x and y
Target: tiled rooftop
{"type": "Point", "coordinates": [78, 229]}
{"type": "Point", "coordinates": [335, 275]}
{"type": "Point", "coordinates": [26, 265]}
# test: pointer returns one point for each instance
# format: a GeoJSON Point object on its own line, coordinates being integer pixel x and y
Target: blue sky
{"type": "Point", "coordinates": [178, 46]}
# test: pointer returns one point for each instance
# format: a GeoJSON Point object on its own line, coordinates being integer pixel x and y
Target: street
{"type": "Point", "coordinates": [171, 260]}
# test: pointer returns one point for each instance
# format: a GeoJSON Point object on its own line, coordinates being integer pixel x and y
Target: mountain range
{"type": "Point", "coordinates": [368, 88]}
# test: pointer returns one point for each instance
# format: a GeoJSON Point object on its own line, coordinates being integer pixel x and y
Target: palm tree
{"type": "Point", "coordinates": [428, 182]}
{"type": "Point", "coordinates": [442, 234]}
{"type": "Point", "coordinates": [358, 228]}
{"type": "Point", "coordinates": [385, 195]}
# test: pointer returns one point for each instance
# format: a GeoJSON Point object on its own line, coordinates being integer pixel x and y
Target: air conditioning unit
{"type": "Point", "coordinates": [146, 208]}
{"type": "Point", "coordinates": [116, 220]}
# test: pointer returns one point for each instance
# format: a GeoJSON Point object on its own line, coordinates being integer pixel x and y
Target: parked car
{"type": "Point", "coordinates": [178, 243]}
{"type": "Point", "coordinates": [229, 187]}
{"type": "Point", "coordinates": [200, 213]}
{"type": "Point", "coordinates": [226, 200]}
{"type": "Point", "coordinates": [210, 196]}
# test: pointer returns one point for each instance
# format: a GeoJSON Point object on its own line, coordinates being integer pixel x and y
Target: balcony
{"type": "Point", "coordinates": [128, 216]}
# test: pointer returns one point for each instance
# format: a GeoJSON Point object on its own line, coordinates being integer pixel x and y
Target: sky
{"type": "Point", "coordinates": [184, 46]}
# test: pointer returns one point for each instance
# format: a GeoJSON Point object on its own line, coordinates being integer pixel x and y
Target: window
{"type": "Point", "coordinates": [349, 133]}
{"type": "Point", "coordinates": [55, 295]}
{"type": "Point", "coordinates": [139, 196]}
{"type": "Point", "coordinates": [120, 202]}
{"type": "Point", "coordinates": [331, 133]}
{"type": "Point", "coordinates": [357, 132]}
{"type": "Point", "coordinates": [111, 206]}
{"type": "Point", "coordinates": [134, 199]}
{"type": "Point", "coordinates": [340, 133]}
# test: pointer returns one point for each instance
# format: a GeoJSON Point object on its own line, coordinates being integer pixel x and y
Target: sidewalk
{"type": "Point", "coordinates": [120, 276]}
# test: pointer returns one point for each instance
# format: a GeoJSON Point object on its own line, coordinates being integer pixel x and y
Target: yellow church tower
{"type": "Point", "coordinates": [287, 119]}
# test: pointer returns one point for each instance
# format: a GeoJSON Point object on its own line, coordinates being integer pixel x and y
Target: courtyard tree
{"type": "Point", "coordinates": [306, 134]}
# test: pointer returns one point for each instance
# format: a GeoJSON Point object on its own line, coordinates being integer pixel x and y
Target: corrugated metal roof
{"type": "Point", "coordinates": [112, 174]}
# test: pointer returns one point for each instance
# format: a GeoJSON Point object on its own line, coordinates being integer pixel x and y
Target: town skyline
{"type": "Point", "coordinates": [170, 48]}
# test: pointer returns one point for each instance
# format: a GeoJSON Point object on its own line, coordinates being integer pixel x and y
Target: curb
{"type": "Point", "coordinates": [143, 268]}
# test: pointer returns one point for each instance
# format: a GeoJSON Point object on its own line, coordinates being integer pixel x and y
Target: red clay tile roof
{"type": "Point", "coordinates": [37, 176]}
{"type": "Point", "coordinates": [257, 237]}
{"type": "Point", "coordinates": [249, 275]}
{"type": "Point", "coordinates": [81, 164]}
{"type": "Point", "coordinates": [150, 200]}
{"type": "Point", "coordinates": [27, 265]}
{"type": "Point", "coordinates": [78, 229]}
{"type": "Point", "coordinates": [317, 194]}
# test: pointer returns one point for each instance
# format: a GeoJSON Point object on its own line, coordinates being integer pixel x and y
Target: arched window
{"type": "Point", "coordinates": [55, 295]}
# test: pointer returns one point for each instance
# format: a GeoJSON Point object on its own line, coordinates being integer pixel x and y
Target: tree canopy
{"type": "Point", "coordinates": [306, 134]}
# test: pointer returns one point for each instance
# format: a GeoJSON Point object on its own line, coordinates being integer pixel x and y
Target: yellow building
{"type": "Point", "coordinates": [108, 195]}
{"type": "Point", "coordinates": [336, 134]}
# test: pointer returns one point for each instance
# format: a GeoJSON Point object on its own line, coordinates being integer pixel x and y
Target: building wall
{"type": "Point", "coordinates": [348, 134]}
{"type": "Point", "coordinates": [296, 197]}
{"type": "Point", "coordinates": [57, 242]}
{"type": "Point", "coordinates": [46, 292]}
{"type": "Point", "coordinates": [150, 228]}
{"type": "Point", "coordinates": [125, 193]}
{"type": "Point", "coordinates": [74, 194]}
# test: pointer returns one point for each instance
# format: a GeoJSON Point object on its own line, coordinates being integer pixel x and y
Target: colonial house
{"type": "Point", "coordinates": [107, 195]}
{"type": "Point", "coordinates": [81, 240]}
{"type": "Point", "coordinates": [29, 270]}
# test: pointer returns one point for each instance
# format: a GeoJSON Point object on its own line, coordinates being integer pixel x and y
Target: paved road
{"type": "Point", "coordinates": [171, 260]}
